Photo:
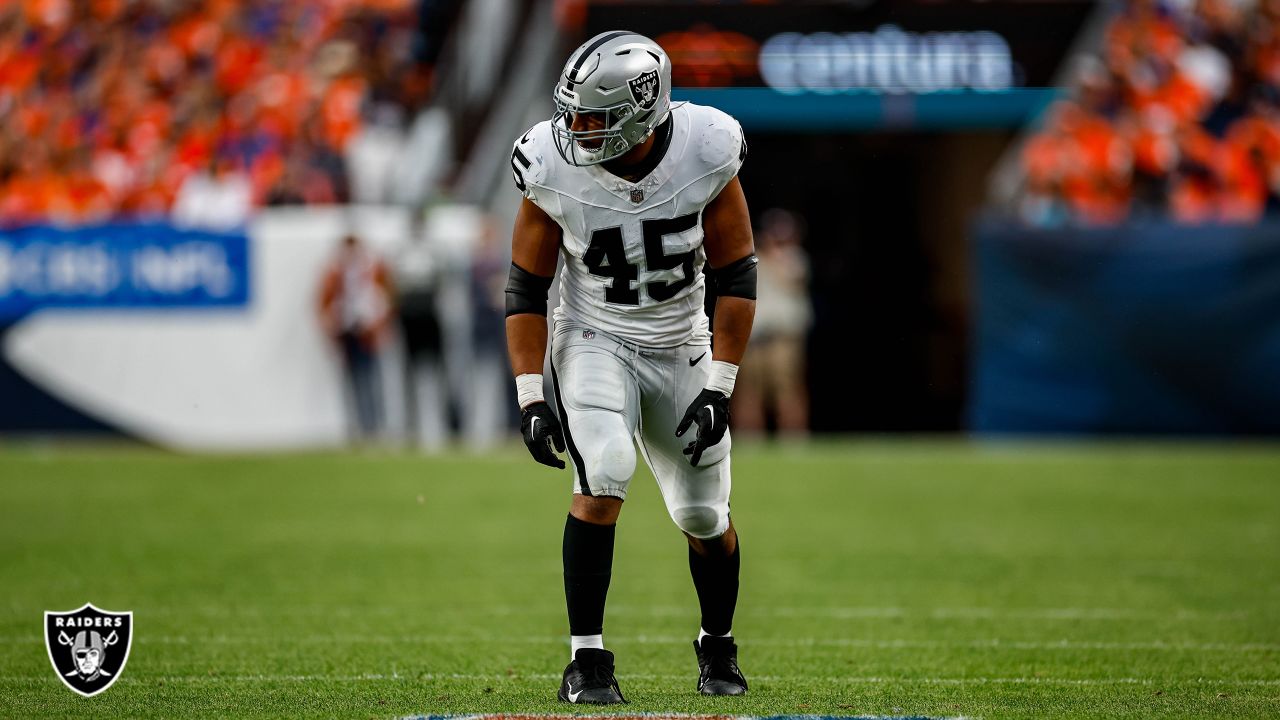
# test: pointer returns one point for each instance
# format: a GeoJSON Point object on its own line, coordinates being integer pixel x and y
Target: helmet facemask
{"type": "Point", "coordinates": [591, 146]}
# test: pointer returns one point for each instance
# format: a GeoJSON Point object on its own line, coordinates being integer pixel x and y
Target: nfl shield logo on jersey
{"type": "Point", "coordinates": [88, 647]}
{"type": "Point", "coordinates": [644, 89]}
{"type": "Point", "coordinates": [637, 195]}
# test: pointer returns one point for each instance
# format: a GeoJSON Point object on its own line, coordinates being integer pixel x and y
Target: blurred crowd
{"type": "Point", "coordinates": [1178, 119]}
{"type": "Point", "coordinates": [136, 108]}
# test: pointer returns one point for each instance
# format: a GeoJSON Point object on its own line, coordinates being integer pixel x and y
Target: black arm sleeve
{"type": "Point", "coordinates": [737, 279]}
{"type": "Point", "coordinates": [526, 292]}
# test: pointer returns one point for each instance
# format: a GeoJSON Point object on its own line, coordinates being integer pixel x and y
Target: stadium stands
{"type": "Point", "coordinates": [1178, 119]}
{"type": "Point", "coordinates": [264, 94]}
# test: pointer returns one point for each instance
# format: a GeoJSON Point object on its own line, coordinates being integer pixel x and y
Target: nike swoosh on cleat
{"type": "Point", "coordinates": [695, 361]}
{"type": "Point", "coordinates": [573, 696]}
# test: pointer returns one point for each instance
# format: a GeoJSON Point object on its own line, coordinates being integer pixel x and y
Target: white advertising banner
{"type": "Point", "coordinates": [259, 376]}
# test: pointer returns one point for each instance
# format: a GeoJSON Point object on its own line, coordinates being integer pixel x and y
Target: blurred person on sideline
{"type": "Point", "coordinates": [772, 378]}
{"type": "Point", "coordinates": [356, 306]}
{"type": "Point", "coordinates": [218, 198]}
{"type": "Point", "coordinates": [417, 271]}
{"type": "Point", "coordinates": [488, 401]}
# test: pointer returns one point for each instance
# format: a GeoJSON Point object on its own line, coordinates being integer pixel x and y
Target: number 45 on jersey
{"type": "Point", "coordinates": [606, 257]}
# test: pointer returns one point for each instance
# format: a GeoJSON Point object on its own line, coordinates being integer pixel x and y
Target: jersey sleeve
{"type": "Point", "coordinates": [723, 148]}
{"type": "Point", "coordinates": [530, 168]}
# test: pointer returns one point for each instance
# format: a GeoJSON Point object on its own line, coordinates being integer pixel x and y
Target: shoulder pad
{"type": "Point", "coordinates": [529, 160]}
{"type": "Point", "coordinates": [718, 136]}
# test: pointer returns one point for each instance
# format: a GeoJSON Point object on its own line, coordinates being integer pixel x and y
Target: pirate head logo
{"type": "Point", "coordinates": [644, 89]}
{"type": "Point", "coordinates": [88, 647]}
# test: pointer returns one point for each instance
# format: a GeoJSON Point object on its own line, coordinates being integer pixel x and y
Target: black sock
{"type": "Point", "coordinates": [716, 580]}
{"type": "Point", "coordinates": [588, 563]}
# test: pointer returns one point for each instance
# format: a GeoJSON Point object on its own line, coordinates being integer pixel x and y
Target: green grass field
{"type": "Point", "coordinates": [928, 579]}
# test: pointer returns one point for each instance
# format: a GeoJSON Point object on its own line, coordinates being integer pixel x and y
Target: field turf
{"type": "Point", "coordinates": [880, 578]}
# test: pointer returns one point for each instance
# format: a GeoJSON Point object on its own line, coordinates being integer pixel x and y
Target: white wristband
{"type": "Point", "coordinates": [528, 389]}
{"type": "Point", "coordinates": [722, 376]}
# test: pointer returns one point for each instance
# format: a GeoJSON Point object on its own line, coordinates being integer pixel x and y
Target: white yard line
{"type": "Point", "coordinates": [880, 644]}
{"type": "Point", "coordinates": [853, 612]}
{"type": "Point", "coordinates": [856, 680]}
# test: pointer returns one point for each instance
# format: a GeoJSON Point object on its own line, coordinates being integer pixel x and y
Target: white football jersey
{"type": "Point", "coordinates": [633, 252]}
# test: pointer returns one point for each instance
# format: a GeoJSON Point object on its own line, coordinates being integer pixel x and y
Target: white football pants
{"type": "Point", "coordinates": [613, 396]}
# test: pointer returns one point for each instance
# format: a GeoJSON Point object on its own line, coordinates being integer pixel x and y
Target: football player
{"type": "Point", "coordinates": [638, 195]}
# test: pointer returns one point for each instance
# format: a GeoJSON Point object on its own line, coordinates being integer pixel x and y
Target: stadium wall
{"type": "Point", "coordinates": [247, 370]}
{"type": "Point", "coordinates": [1133, 330]}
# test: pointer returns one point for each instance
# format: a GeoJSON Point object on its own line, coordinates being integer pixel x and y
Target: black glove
{"type": "Point", "coordinates": [711, 411]}
{"type": "Point", "coordinates": [538, 425]}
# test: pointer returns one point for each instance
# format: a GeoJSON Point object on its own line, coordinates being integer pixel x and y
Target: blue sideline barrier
{"type": "Point", "coordinates": [1144, 329]}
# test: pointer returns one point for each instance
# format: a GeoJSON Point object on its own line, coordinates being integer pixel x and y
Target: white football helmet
{"type": "Point", "coordinates": [623, 76]}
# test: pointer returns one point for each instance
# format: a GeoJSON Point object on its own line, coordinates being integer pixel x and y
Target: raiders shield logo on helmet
{"type": "Point", "coordinates": [644, 89]}
{"type": "Point", "coordinates": [88, 647]}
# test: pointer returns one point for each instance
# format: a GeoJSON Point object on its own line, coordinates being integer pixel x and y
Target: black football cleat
{"type": "Point", "coordinates": [589, 679]}
{"type": "Point", "coordinates": [718, 672]}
